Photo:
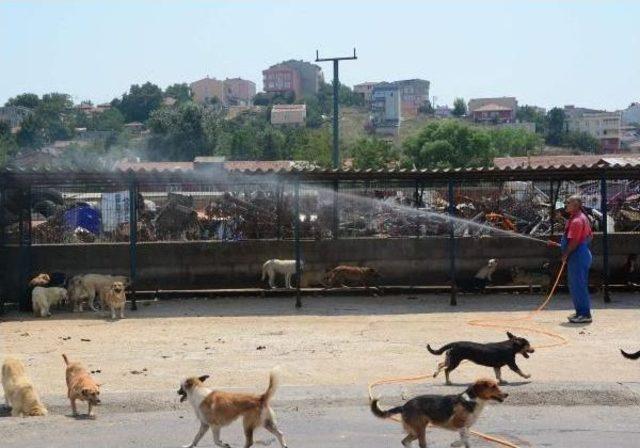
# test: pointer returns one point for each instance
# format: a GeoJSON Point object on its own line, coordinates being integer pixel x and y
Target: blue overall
{"type": "Point", "coordinates": [578, 265]}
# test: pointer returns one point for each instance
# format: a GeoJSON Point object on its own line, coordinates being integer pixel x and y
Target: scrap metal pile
{"type": "Point", "coordinates": [521, 207]}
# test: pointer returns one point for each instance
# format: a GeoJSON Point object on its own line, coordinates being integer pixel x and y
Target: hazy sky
{"type": "Point", "coordinates": [543, 52]}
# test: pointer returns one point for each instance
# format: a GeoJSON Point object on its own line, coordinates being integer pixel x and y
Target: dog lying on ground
{"type": "Point", "coordinates": [343, 276]}
{"type": "Point", "coordinates": [80, 386]}
{"type": "Point", "coordinates": [528, 278]}
{"type": "Point", "coordinates": [19, 393]}
{"type": "Point", "coordinates": [630, 355]}
{"type": "Point", "coordinates": [452, 412]}
{"type": "Point", "coordinates": [496, 355]}
{"type": "Point", "coordinates": [40, 280]}
{"type": "Point", "coordinates": [216, 409]}
{"type": "Point", "coordinates": [42, 299]}
{"type": "Point", "coordinates": [115, 299]}
{"type": "Point", "coordinates": [273, 267]}
{"type": "Point", "coordinates": [482, 278]}
{"type": "Point", "coordinates": [84, 288]}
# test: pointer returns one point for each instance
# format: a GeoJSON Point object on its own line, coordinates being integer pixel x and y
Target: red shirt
{"type": "Point", "coordinates": [578, 228]}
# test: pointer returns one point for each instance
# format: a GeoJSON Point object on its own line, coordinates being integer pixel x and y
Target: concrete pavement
{"type": "Point", "coordinates": [333, 426]}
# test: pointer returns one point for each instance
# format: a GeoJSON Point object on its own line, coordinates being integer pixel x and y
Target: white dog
{"type": "Point", "coordinates": [486, 271]}
{"type": "Point", "coordinates": [86, 287]}
{"type": "Point", "coordinates": [42, 298]}
{"type": "Point", "coordinates": [273, 267]}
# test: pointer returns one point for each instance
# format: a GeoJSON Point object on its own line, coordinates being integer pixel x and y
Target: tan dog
{"type": "Point", "coordinates": [85, 288]}
{"type": "Point", "coordinates": [43, 298]}
{"type": "Point", "coordinates": [80, 386]}
{"type": "Point", "coordinates": [19, 393]}
{"type": "Point", "coordinates": [353, 275]}
{"type": "Point", "coordinates": [114, 299]}
{"type": "Point", "coordinates": [216, 409]}
{"type": "Point", "coordinates": [40, 280]}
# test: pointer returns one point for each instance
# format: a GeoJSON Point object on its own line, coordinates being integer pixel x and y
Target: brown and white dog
{"type": "Point", "coordinates": [19, 393]}
{"type": "Point", "coordinates": [216, 409]}
{"type": "Point", "coordinates": [80, 386]}
{"type": "Point", "coordinates": [114, 299]}
{"type": "Point", "coordinates": [40, 280]}
{"type": "Point", "coordinates": [342, 276]}
{"type": "Point", "coordinates": [452, 412]}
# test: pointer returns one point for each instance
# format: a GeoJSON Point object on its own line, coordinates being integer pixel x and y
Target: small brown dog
{"type": "Point", "coordinates": [114, 299]}
{"type": "Point", "coordinates": [352, 275]}
{"type": "Point", "coordinates": [19, 392]}
{"type": "Point", "coordinates": [216, 409]}
{"type": "Point", "coordinates": [452, 412]}
{"type": "Point", "coordinates": [80, 386]}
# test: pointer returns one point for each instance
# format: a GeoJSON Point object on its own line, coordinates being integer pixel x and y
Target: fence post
{"type": "Point", "coordinates": [605, 237]}
{"type": "Point", "coordinates": [452, 247]}
{"type": "Point", "coordinates": [279, 195]}
{"type": "Point", "coordinates": [133, 240]}
{"type": "Point", "coordinates": [25, 247]}
{"type": "Point", "coordinates": [296, 230]}
{"type": "Point", "coordinates": [416, 200]}
{"type": "Point", "coordinates": [336, 216]}
{"type": "Point", "coordinates": [3, 248]}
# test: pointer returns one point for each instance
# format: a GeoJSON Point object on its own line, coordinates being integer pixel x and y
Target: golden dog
{"type": "Point", "coordinates": [19, 393]}
{"type": "Point", "coordinates": [352, 275]}
{"type": "Point", "coordinates": [80, 386]}
{"type": "Point", "coordinates": [114, 299]}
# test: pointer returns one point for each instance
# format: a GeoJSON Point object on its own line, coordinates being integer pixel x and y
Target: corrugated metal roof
{"type": "Point", "coordinates": [585, 160]}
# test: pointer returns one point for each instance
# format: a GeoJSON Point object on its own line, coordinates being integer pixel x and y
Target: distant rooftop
{"type": "Point", "coordinates": [583, 160]}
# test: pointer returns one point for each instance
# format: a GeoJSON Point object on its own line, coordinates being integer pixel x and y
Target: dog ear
{"type": "Point", "coordinates": [510, 336]}
{"type": "Point", "coordinates": [203, 378]}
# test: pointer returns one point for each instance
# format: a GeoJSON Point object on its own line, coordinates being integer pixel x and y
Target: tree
{"type": "Point", "coordinates": [8, 145]}
{"type": "Point", "coordinates": [555, 126]}
{"type": "Point", "coordinates": [371, 153]}
{"type": "Point", "coordinates": [177, 133]}
{"type": "Point", "coordinates": [515, 142]}
{"type": "Point", "coordinates": [315, 147]}
{"type": "Point", "coordinates": [426, 108]}
{"type": "Point", "coordinates": [180, 92]}
{"type": "Point", "coordinates": [138, 104]}
{"type": "Point", "coordinates": [582, 141]}
{"type": "Point", "coordinates": [449, 144]}
{"type": "Point", "coordinates": [32, 133]}
{"type": "Point", "coordinates": [28, 100]}
{"type": "Point", "coordinates": [459, 107]}
{"type": "Point", "coordinates": [108, 120]}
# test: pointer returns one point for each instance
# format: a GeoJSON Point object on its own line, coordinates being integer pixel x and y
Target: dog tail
{"type": "Point", "coordinates": [271, 389]}
{"type": "Point", "coordinates": [630, 355]}
{"type": "Point", "coordinates": [439, 351]}
{"type": "Point", "coordinates": [375, 409]}
{"type": "Point", "coordinates": [66, 360]}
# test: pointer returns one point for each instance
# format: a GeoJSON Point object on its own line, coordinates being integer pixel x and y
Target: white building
{"type": "Point", "coordinates": [386, 108]}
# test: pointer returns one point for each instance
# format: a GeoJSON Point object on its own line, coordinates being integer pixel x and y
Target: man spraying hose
{"type": "Point", "coordinates": [575, 252]}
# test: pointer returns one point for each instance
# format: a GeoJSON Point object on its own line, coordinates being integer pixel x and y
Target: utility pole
{"type": "Point", "coordinates": [336, 88]}
{"type": "Point", "coordinates": [336, 149]}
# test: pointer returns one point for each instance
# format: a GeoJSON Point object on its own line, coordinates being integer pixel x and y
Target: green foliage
{"type": "Point", "coordinates": [459, 107]}
{"type": "Point", "coordinates": [8, 144]}
{"type": "Point", "coordinates": [426, 108]}
{"type": "Point", "coordinates": [109, 120]}
{"type": "Point", "coordinates": [529, 114]}
{"type": "Point", "coordinates": [373, 153]}
{"type": "Point", "coordinates": [315, 146]}
{"type": "Point", "coordinates": [555, 126]}
{"type": "Point", "coordinates": [515, 142]}
{"type": "Point", "coordinates": [180, 92]}
{"type": "Point", "coordinates": [29, 100]}
{"type": "Point", "coordinates": [178, 133]}
{"type": "Point", "coordinates": [448, 144]}
{"type": "Point", "coordinates": [138, 104]}
{"type": "Point", "coordinates": [582, 141]}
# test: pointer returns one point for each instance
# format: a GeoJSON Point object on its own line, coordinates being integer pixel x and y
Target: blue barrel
{"type": "Point", "coordinates": [82, 215]}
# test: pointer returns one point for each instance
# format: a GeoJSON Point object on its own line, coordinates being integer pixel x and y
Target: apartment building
{"type": "Point", "coordinates": [605, 126]}
{"type": "Point", "coordinates": [207, 90]}
{"type": "Point", "coordinates": [386, 110]}
{"type": "Point", "coordinates": [365, 89]}
{"type": "Point", "coordinates": [300, 77]}
{"type": "Point", "coordinates": [414, 93]}
{"type": "Point", "coordinates": [239, 92]}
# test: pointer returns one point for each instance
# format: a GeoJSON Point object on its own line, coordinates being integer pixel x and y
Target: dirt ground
{"type": "Point", "coordinates": [330, 341]}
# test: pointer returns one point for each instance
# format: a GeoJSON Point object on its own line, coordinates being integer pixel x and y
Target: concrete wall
{"type": "Point", "coordinates": [196, 265]}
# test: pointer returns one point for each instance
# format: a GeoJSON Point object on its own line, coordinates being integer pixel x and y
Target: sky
{"type": "Point", "coordinates": [546, 53]}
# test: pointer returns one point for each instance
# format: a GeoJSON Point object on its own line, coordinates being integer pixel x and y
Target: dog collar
{"type": "Point", "coordinates": [465, 397]}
